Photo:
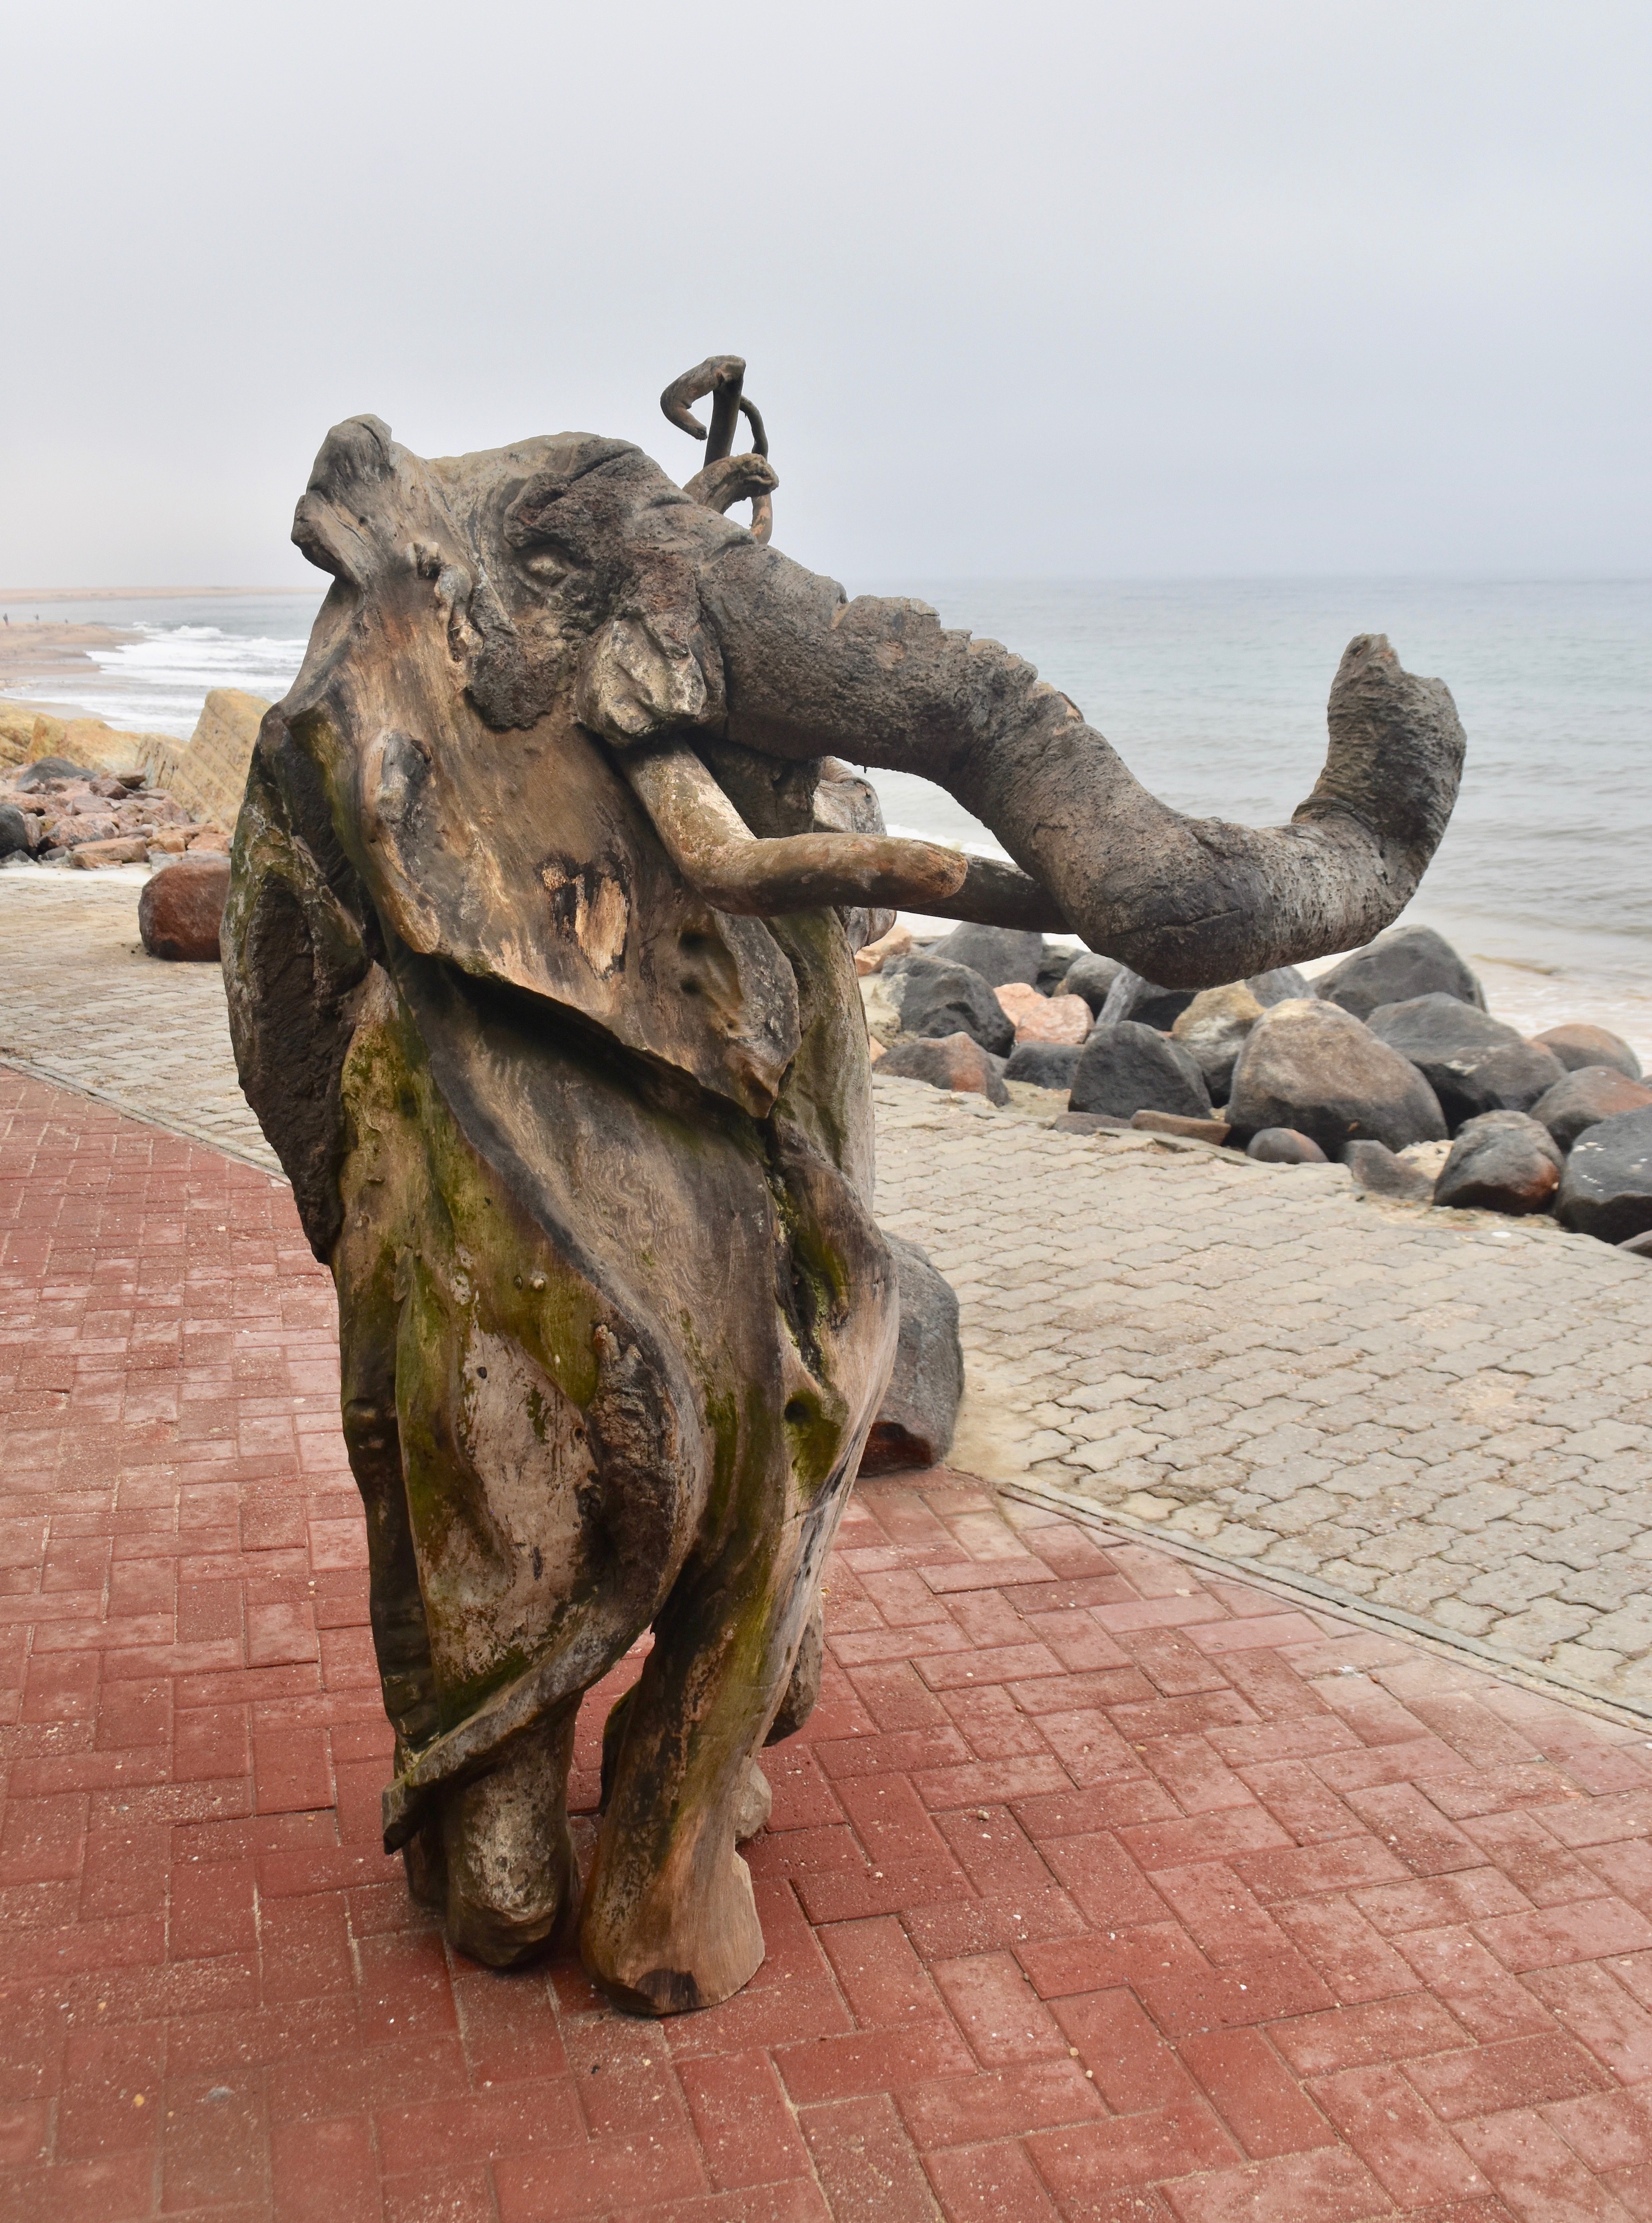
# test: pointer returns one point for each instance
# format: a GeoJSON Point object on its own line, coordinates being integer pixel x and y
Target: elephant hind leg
{"type": "Point", "coordinates": [511, 1881]}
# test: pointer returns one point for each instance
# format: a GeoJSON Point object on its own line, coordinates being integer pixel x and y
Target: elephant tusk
{"type": "Point", "coordinates": [717, 853]}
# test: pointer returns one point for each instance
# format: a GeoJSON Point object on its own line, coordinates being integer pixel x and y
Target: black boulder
{"type": "Point", "coordinates": [1405, 963]}
{"type": "Point", "coordinates": [1126, 1068]}
{"type": "Point", "coordinates": [1472, 1062]}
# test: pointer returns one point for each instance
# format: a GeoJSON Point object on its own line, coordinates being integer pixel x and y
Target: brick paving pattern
{"type": "Point", "coordinates": [1097, 1889]}
{"type": "Point", "coordinates": [1449, 1414]}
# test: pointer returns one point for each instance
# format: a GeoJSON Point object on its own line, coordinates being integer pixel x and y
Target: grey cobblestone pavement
{"type": "Point", "coordinates": [81, 1002]}
{"type": "Point", "coordinates": [1446, 1415]}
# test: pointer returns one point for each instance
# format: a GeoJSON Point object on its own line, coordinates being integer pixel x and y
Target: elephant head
{"type": "Point", "coordinates": [572, 568]}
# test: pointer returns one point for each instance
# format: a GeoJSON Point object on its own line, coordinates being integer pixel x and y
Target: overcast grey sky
{"type": "Point", "coordinates": [1091, 290]}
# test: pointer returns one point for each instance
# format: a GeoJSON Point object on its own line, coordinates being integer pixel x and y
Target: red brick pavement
{"type": "Point", "coordinates": [1095, 1890]}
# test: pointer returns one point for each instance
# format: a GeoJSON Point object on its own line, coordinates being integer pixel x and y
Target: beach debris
{"type": "Point", "coordinates": [1607, 1189]}
{"type": "Point", "coordinates": [1039, 1019]}
{"type": "Point", "coordinates": [1126, 1068]}
{"type": "Point", "coordinates": [1284, 1146]}
{"type": "Point", "coordinates": [181, 908]}
{"type": "Point", "coordinates": [1406, 962]}
{"type": "Point", "coordinates": [1315, 1068]}
{"type": "Point", "coordinates": [1501, 1161]}
{"type": "Point", "coordinates": [1577, 1046]}
{"type": "Point", "coordinates": [1472, 1062]}
{"type": "Point", "coordinates": [1588, 1095]}
{"type": "Point", "coordinates": [955, 1060]}
{"type": "Point", "coordinates": [918, 1414]}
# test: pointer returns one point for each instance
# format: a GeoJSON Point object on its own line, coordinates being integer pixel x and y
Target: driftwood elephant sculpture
{"type": "Point", "coordinates": [539, 951]}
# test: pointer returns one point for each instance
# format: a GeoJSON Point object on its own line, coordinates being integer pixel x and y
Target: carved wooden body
{"type": "Point", "coordinates": [539, 952]}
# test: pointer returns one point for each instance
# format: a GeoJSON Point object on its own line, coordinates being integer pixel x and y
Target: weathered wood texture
{"type": "Point", "coordinates": [539, 951]}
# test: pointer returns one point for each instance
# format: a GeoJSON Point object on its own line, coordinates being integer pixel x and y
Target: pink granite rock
{"type": "Point", "coordinates": [1043, 1019]}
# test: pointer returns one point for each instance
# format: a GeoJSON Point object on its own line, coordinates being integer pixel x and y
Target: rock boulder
{"type": "Point", "coordinates": [1213, 1028]}
{"type": "Point", "coordinates": [945, 1062]}
{"type": "Point", "coordinates": [1314, 1066]}
{"type": "Point", "coordinates": [998, 953]}
{"type": "Point", "coordinates": [1405, 963]}
{"type": "Point", "coordinates": [1588, 1095]}
{"type": "Point", "coordinates": [1284, 1146]}
{"type": "Point", "coordinates": [1044, 1064]}
{"type": "Point", "coordinates": [1126, 1068]}
{"type": "Point", "coordinates": [915, 1422]}
{"type": "Point", "coordinates": [1607, 1189]}
{"type": "Point", "coordinates": [936, 999]}
{"type": "Point", "coordinates": [181, 906]}
{"type": "Point", "coordinates": [45, 770]}
{"type": "Point", "coordinates": [1162, 1008]}
{"type": "Point", "coordinates": [1580, 1046]}
{"type": "Point", "coordinates": [1472, 1062]}
{"type": "Point", "coordinates": [1091, 977]}
{"type": "Point", "coordinates": [1501, 1161]}
{"type": "Point", "coordinates": [1280, 987]}
{"type": "Point", "coordinates": [1043, 1019]}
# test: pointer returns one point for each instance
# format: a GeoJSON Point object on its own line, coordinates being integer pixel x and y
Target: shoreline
{"type": "Point", "coordinates": [48, 654]}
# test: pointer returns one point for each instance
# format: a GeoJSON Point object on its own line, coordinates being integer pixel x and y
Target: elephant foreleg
{"type": "Point", "coordinates": [669, 1921]}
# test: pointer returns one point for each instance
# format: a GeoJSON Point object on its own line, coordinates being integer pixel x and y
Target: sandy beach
{"type": "Point", "coordinates": [51, 654]}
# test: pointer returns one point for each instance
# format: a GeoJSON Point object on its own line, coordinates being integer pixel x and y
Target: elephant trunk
{"type": "Point", "coordinates": [1186, 902]}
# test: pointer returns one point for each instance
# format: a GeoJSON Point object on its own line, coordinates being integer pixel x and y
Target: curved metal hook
{"type": "Point", "coordinates": [721, 376]}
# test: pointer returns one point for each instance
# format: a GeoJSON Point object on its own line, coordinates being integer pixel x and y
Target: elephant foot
{"type": "Point", "coordinates": [679, 1949]}
{"type": "Point", "coordinates": [513, 1879]}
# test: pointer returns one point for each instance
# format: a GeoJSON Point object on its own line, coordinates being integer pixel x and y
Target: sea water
{"type": "Point", "coordinates": [1214, 692]}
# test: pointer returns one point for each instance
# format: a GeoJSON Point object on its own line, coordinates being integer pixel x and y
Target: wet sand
{"type": "Point", "coordinates": [53, 653]}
